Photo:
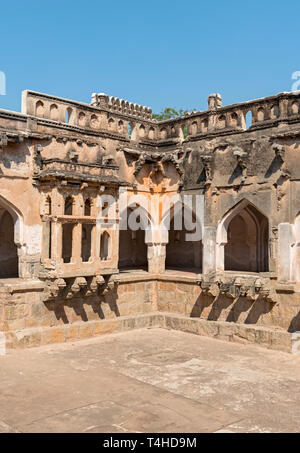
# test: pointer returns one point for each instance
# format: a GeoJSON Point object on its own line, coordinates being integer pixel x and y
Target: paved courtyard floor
{"type": "Point", "coordinates": [150, 380]}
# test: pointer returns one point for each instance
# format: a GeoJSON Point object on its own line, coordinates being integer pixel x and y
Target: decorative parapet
{"type": "Point", "coordinates": [224, 120]}
{"type": "Point", "coordinates": [121, 106]}
{"type": "Point", "coordinates": [131, 121]}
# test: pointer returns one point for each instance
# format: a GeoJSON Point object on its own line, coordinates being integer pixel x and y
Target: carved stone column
{"type": "Point", "coordinates": [94, 245]}
{"type": "Point", "coordinates": [76, 243]}
{"type": "Point", "coordinates": [156, 241]}
{"type": "Point", "coordinates": [209, 250]}
{"type": "Point", "coordinates": [285, 240]}
{"type": "Point", "coordinates": [56, 241]}
{"type": "Point", "coordinates": [46, 242]}
{"type": "Point", "coordinates": [156, 258]}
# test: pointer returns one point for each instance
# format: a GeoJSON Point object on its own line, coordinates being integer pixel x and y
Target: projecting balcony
{"type": "Point", "coordinates": [71, 170]}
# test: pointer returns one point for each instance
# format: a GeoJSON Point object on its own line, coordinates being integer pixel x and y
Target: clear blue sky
{"type": "Point", "coordinates": [158, 53]}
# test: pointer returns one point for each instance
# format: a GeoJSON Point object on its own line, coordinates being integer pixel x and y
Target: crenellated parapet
{"type": "Point", "coordinates": [121, 106]}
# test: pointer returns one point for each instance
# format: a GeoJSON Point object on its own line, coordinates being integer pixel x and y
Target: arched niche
{"type": "Point", "coordinates": [68, 207]}
{"type": "Point", "coordinates": [11, 239]}
{"type": "Point", "coordinates": [105, 246]}
{"type": "Point", "coordinates": [243, 240]}
{"type": "Point", "coordinates": [132, 238]}
{"type": "Point", "coordinates": [39, 109]}
{"type": "Point", "coordinates": [184, 248]}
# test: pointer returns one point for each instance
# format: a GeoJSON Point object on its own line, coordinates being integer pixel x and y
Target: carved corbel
{"type": "Point", "coordinates": [79, 283]}
{"type": "Point", "coordinates": [112, 282]}
{"type": "Point", "coordinates": [280, 155]}
{"type": "Point", "coordinates": [94, 285]}
{"type": "Point", "coordinates": [177, 158]}
{"type": "Point", "coordinates": [242, 161]}
{"type": "Point", "coordinates": [269, 294]}
{"type": "Point", "coordinates": [72, 156]}
{"type": "Point", "coordinates": [37, 159]}
{"type": "Point", "coordinates": [108, 160]}
{"type": "Point", "coordinates": [139, 163]}
{"type": "Point", "coordinates": [99, 280]}
{"type": "Point", "coordinates": [210, 288]}
{"type": "Point", "coordinates": [206, 161]}
{"type": "Point", "coordinates": [251, 294]}
{"type": "Point", "coordinates": [53, 290]}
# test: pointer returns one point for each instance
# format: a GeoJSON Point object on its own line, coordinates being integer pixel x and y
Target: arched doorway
{"type": "Point", "coordinates": [8, 248]}
{"type": "Point", "coordinates": [246, 242]}
{"type": "Point", "coordinates": [132, 246]}
{"type": "Point", "coordinates": [182, 253]}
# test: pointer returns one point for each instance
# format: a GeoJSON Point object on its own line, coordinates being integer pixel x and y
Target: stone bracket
{"type": "Point", "coordinates": [235, 287]}
{"type": "Point", "coordinates": [80, 286]}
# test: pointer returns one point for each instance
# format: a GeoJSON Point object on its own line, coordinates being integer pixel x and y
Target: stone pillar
{"type": "Point", "coordinates": [156, 255]}
{"type": "Point", "coordinates": [76, 243]}
{"type": "Point", "coordinates": [46, 229]}
{"type": "Point", "coordinates": [241, 120]}
{"type": "Point", "coordinates": [209, 250]}
{"type": "Point", "coordinates": [56, 241]}
{"type": "Point", "coordinates": [94, 245]}
{"type": "Point", "coordinates": [283, 108]}
{"type": "Point", "coordinates": [285, 240]}
{"type": "Point", "coordinates": [211, 122]}
{"type": "Point", "coordinates": [156, 240]}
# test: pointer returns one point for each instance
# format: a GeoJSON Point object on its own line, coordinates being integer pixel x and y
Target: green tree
{"type": "Point", "coordinates": [168, 113]}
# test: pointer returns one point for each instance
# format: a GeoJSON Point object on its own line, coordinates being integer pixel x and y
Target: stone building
{"type": "Point", "coordinates": [212, 246]}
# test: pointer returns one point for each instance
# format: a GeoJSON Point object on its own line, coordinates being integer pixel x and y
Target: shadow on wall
{"type": "Point", "coordinates": [98, 304]}
{"type": "Point", "coordinates": [295, 324]}
{"type": "Point", "coordinates": [252, 310]}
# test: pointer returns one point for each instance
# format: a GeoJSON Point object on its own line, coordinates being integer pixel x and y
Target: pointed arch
{"type": "Point", "coordinates": [11, 238]}
{"type": "Point", "coordinates": [87, 207]}
{"type": "Point", "coordinates": [184, 237]}
{"type": "Point", "coordinates": [105, 246]}
{"type": "Point", "coordinates": [243, 239]}
{"type": "Point", "coordinates": [68, 207]}
{"type": "Point", "coordinates": [17, 219]}
{"type": "Point", "coordinates": [295, 250]}
{"type": "Point", "coordinates": [136, 228]}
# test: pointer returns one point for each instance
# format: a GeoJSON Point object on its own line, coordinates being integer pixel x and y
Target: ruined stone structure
{"type": "Point", "coordinates": [68, 270]}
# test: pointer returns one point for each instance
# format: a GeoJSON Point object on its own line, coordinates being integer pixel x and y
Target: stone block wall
{"type": "Point", "coordinates": [28, 320]}
{"type": "Point", "coordinates": [189, 300]}
{"type": "Point", "coordinates": [179, 303]}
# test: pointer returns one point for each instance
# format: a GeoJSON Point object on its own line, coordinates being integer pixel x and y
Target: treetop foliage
{"type": "Point", "coordinates": [168, 113]}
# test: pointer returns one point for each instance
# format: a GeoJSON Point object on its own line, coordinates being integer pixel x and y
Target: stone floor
{"type": "Point", "coordinates": [149, 380]}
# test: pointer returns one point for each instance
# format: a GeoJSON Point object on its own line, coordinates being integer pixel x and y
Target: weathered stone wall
{"type": "Point", "coordinates": [58, 149]}
{"type": "Point", "coordinates": [188, 299]}
{"type": "Point", "coordinates": [23, 309]}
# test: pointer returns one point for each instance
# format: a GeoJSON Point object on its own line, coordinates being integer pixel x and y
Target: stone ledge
{"type": "Point", "coordinates": [14, 285]}
{"type": "Point", "coordinates": [266, 337]}
{"type": "Point", "coordinates": [40, 336]}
